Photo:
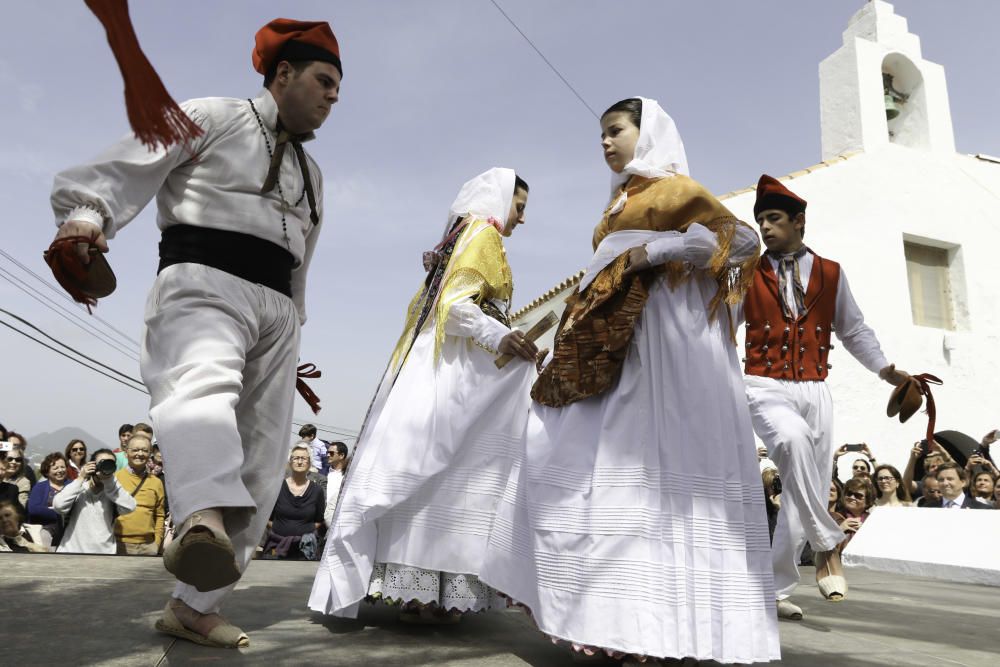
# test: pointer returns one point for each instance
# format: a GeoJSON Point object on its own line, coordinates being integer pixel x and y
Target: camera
{"type": "Point", "coordinates": [854, 448]}
{"type": "Point", "coordinates": [106, 467]}
{"type": "Point", "coordinates": [6, 446]}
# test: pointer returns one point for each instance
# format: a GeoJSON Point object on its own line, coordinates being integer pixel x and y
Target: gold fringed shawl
{"type": "Point", "coordinates": [598, 324]}
{"type": "Point", "coordinates": [477, 268]}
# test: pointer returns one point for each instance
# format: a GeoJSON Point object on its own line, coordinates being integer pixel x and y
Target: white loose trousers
{"type": "Point", "coordinates": [219, 358]}
{"type": "Point", "coordinates": [795, 422]}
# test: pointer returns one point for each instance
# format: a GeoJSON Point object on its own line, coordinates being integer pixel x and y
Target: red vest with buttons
{"type": "Point", "coordinates": [798, 348]}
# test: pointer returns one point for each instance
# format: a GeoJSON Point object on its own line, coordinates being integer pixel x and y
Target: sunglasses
{"type": "Point", "coordinates": [16, 459]}
{"type": "Point", "coordinates": [885, 479]}
{"type": "Point", "coordinates": [78, 449]}
{"type": "Point", "coordinates": [855, 495]}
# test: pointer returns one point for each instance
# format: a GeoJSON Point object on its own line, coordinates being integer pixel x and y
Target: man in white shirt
{"type": "Point", "coordinates": [240, 209]}
{"type": "Point", "coordinates": [796, 302]}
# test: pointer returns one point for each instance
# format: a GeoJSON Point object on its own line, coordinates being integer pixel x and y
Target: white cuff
{"type": "Point", "coordinates": [86, 214]}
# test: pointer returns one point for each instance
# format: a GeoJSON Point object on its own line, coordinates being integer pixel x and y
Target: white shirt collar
{"type": "Point", "coordinates": [267, 109]}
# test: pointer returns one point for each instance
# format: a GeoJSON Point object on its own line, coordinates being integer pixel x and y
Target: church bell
{"type": "Point", "coordinates": [893, 98]}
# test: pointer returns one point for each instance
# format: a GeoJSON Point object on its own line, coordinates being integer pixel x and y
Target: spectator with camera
{"type": "Point", "coordinates": [140, 532]}
{"type": "Point", "coordinates": [952, 479]}
{"type": "Point", "coordinates": [76, 458]}
{"type": "Point", "coordinates": [889, 489]}
{"type": "Point", "coordinates": [40, 499]}
{"type": "Point", "coordinates": [90, 504]}
{"type": "Point", "coordinates": [861, 467]}
{"type": "Point", "coordinates": [17, 536]}
{"type": "Point", "coordinates": [933, 456]}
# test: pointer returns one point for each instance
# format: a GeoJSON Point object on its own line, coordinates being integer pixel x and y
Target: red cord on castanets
{"type": "Point", "coordinates": [154, 116]}
{"type": "Point", "coordinates": [86, 283]}
{"type": "Point", "coordinates": [308, 371]}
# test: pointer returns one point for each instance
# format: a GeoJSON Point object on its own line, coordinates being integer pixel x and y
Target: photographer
{"type": "Point", "coordinates": [90, 504]}
{"type": "Point", "coordinates": [861, 467]}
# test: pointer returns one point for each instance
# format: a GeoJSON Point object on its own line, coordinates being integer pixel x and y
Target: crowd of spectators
{"type": "Point", "coordinates": [933, 478]}
{"type": "Point", "coordinates": [115, 501]}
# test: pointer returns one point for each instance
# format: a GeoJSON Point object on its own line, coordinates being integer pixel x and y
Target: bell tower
{"type": "Point", "coordinates": [877, 89]}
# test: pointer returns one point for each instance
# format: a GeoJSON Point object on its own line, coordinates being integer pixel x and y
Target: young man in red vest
{"type": "Point", "coordinates": [797, 300]}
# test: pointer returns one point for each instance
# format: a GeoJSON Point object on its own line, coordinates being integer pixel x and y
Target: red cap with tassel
{"type": "Point", "coordinates": [154, 116]}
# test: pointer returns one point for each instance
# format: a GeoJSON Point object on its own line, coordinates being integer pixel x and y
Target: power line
{"type": "Point", "coordinates": [542, 56]}
{"type": "Point", "coordinates": [59, 342]}
{"type": "Point", "coordinates": [115, 345]}
{"type": "Point", "coordinates": [62, 293]}
{"type": "Point", "coordinates": [43, 344]}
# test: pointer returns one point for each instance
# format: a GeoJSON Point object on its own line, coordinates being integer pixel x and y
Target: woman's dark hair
{"type": "Point", "coordinates": [840, 490]}
{"type": "Point", "coordinates": [14, 434]}
{"type": "Point", "coordinates": [520, 183]}
{"type": "Point", "coordinates": [854, 485]}
{"type": "Point", "coordinates": [632, 106]}
{"type": "Point", "coordinates": [102, 450]}
{"type": "Point", "coordinates": [70, 446]}
{"type": "Point", "coordinates": [50, 460]}
{"type": "Point", "coordinates": [901, 492]}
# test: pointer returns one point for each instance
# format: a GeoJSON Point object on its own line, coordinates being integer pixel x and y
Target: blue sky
{"type": "Point", "coordinates": [434, 92]}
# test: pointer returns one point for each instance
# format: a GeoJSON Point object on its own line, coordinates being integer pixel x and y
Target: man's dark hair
{"type": "Point", "coordinates": [520, 183]}
{"type": "Point", "coordinates": [307, 431]}
{"type": "Point", "coordinates": [951, 465]}
{"type": "Point", "coordinates": [102, 450]}
{"type": "Point", "coordinates": [339, 446]}
{"type": "Point", "coordinates": [632, 106]}
{"type": "Point", "coordinates": [124, 428]}
{"type": "Point", "coordinates": [272, 72]}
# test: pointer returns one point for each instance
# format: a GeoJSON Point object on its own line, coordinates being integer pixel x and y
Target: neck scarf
{"type": "Point", "coordinates": [789, 264]}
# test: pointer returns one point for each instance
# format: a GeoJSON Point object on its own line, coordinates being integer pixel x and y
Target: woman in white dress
{"type": "Point", "coordinates": [436, 449]}
{"type": "Point", "coordinates": [635, 523]}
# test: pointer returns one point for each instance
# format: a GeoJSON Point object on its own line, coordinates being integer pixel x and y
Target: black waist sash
{"type": "Point", "coordinates": [241, 255]}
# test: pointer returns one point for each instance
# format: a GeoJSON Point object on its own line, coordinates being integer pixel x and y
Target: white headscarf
{"type": "Point", "coordinates": [488, 195]}
{"type": "Point", "coordinates": [659, 152]}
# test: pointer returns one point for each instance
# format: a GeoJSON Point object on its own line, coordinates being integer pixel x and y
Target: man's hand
{"type": "Point", "coordinates": [892, 376]}
{"type": "Point", "coordinates": [990, 438]}
{"type": "Point", "coordinates": [77, 228]}
{"type": "Point", "coordinates": [88, 470]}
{"type": "Point", "coordinates": [515, 343]}
{"type": "Point", "coordinates": [840, 452]}
{"type": "Point", "coordinates": [917, 451]}
{"type": "Point", "coordinates": [637, 260]}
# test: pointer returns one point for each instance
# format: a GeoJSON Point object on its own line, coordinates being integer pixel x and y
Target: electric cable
{"type": "Point", "coordinates": [542, 56]}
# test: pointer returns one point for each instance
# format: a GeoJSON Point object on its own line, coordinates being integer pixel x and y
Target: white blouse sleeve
{"type": "Point", "coordinates": [467, 320]}
{"type": "Point", "coordinates": [698, 244]}
{"type": "Point", "coordinates": [110, 190]}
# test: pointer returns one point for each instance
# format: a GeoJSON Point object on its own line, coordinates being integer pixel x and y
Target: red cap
{"type": "Point", "coordinates": [287, 39]}
{"type": "Point", "coordinates": [772, 194]}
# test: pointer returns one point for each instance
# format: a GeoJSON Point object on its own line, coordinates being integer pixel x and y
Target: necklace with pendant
{"type": "Point", "coordinates": [285, 206]}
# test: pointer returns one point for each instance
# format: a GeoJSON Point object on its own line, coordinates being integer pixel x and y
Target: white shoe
{"type": "Point", "coordinates": [789, 611]}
